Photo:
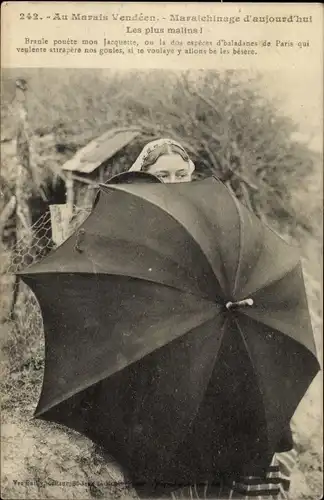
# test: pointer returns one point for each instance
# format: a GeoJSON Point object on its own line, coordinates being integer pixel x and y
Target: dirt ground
{"type": "Point", "coordinates": [41, 460]}
{"type": "Point", "coordinates": [38, 457]}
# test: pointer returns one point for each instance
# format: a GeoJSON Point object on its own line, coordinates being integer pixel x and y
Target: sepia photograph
{"type": "Point", "coordinates": [161, 300]}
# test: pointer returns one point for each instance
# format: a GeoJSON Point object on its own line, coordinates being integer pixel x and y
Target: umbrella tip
{"type": "Point", "coordinates": [241, 303]}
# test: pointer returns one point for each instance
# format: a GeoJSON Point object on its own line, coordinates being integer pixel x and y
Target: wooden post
{"type": "Point", "coordinates": [60, 221]}
{"type": "Point", "coordinates": [25, 151]}
{"type": "Point", "coordinates": [69, 201]}
{"type": "Point", "coordinates": [23, 215]}
{"type": "Point", "coordinates": [27, 179]}
{"type": "Point", "coordinates": [101, 174]}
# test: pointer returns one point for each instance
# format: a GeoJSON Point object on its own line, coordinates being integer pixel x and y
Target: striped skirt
{"type": "Point", "coordinates": [274, 484]}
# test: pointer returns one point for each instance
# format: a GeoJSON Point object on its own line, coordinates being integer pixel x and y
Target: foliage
{"type": "Point", "coordinates": [223, 119]}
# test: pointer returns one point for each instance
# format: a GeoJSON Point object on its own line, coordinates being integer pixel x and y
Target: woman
{"type": "Point", "coordinates": [168, 161]}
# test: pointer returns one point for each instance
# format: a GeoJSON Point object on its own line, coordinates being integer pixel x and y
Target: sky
{"type": "Point", "coordinates": [301, 95]}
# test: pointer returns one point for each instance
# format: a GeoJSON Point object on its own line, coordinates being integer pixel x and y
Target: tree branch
{"type": "Point", "coordinates": [7, 213]}
{"type": "Point", "coordinates": [246, 197]}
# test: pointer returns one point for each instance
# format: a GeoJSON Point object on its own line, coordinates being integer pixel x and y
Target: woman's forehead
{"type": "Point", "coordinates": [170, 163]}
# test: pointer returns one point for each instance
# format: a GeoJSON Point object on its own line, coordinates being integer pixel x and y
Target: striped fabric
{"type": "Point", "coordinates": [274, 485]}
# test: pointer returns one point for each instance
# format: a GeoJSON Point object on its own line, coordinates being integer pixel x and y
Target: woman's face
{"type": "Point", "coordinates": [171, 168]}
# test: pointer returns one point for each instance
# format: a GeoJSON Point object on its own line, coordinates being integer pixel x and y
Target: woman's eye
{"type": "Point", "coordinates": [163, 176]}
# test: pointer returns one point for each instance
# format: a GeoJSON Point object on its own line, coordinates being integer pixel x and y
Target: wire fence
{"type": "Point", "coordinates": [31, 248]}
{"type": "Point", "coordinates": [23, 314]}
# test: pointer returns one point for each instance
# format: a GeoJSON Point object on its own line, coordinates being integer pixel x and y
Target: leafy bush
{"type": "Point", "coordinates": [223, 119]}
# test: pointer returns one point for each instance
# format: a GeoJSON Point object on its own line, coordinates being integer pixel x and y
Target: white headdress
{"type": "Point", "coordinates": [137, 166]}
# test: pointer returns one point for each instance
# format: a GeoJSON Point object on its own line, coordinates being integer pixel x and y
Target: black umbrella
{"type": "Point", "coordinates": [177, 331]}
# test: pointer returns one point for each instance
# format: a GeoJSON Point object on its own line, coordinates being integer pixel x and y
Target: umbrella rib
{"type": "Point", "coordinates": [240, 256]}
{"type": "Point", "coordinates": [141, 197]}
{"type": "Point", "coordinates": [253, 365]}
{"type": "Point", "coordinates": [178, 264]}
{"type": "Point", "coordinates": [238, 207]}
{"type": "Point", "coordinates": [204, 298]}
{"type": "Point", "coordinates": [215, 249]}
{"type": "Point", "coordinates": [258, 320]}
{"type": "Point", "coordinates": [277, 278]}
{"type": "Point", "coordinates": [217, 302]}
{"type": "Point", "coordinates": [239, 260]}
{"type": "Point", "coordinates": [96, 379]}
{"type": "Point", "coordinates": [211, 371]}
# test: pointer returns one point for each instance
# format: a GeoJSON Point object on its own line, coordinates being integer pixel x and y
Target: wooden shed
{"type": "Point", "coordinates": [92, 164]}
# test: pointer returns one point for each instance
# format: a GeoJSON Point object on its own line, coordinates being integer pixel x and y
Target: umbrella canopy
{"type": "Point", "coordinates": [177, 331]}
